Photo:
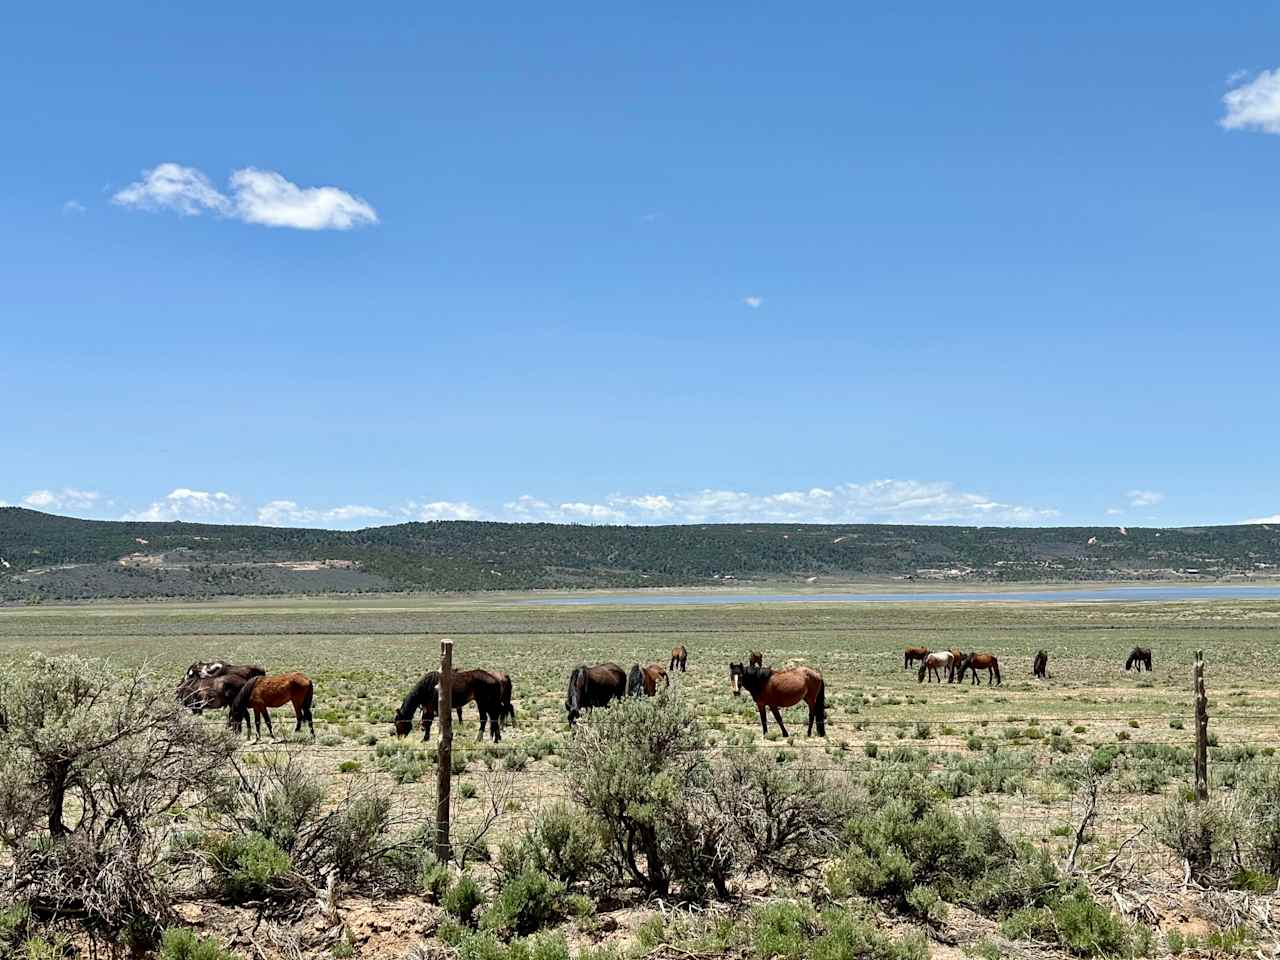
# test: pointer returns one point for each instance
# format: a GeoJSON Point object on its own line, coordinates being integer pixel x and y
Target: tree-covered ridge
{"type": "Point", "coordinates": [468, 555]}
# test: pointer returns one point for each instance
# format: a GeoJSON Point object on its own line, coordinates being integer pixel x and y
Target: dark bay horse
{"type": "Point", "coordinates": [643, 681]}
{"type": "Point", "coordinates": [594, 687]}
{"type": "Point", "coordinates": [506, 710]}
{"type": "Point", "coordinates": [261, 694]}
{"type": "Point", "coordinates": [214, 684]}
{"type": "Point", "coordinates": [981, 661]}
{"type": "Point", "coordinates": [1040, 665]}
{"type": "Point", "coordinates": [912, 655]}
{"type": "Point", "coordinates": [679, 658]}
{"type": "Point", "coordinates": [485, 687]}
{"type": "Point", "coordinates": [1139, 657]}
{"type": "Point", "coordinates": [783, 688]}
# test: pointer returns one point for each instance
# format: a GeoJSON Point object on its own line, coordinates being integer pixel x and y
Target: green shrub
{"type": "Point", "coordinates": [1080, 925]}
{"type": "Point", "coordinates": [525, 903]}
{"type": "Point", "coordinates": [565, 843]}
{"type": "Point", "coordinates": [1201, 833]}
{"type": "Point", "coordinates": [464, 898]}
{"type": "Point", "coordinates": [250, 867]}
{"type": "Point", "coordinates": [179, 943]}
{"type": "Point", "coordinates": [790, 931]}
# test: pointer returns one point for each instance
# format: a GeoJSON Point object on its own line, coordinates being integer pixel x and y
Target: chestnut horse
{"type": "Point", "coordinates": [1139, 657]}
{"type": "Point", "coordinates": [261, 694]}
{"type": "Point", "coordinates": [592, 687]}
{"type": "Point", "coordinates": [933, 663]}
{"type": "Point", "coordinates": [783, 688]}
{"type": "Point", "coordinates": [679, 658]}
{"type": "Point", "coordinates": [912, 654]}
{"type": "Point", "coordinates": [643, 681]}
{"type": "Point", "coordinates": [981, 661]}
{"type": "Point", "coordinates": [1040, 665]}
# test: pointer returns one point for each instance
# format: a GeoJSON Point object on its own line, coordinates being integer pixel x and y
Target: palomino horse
{"type": "Point", "coordinates": [679, 658]}
{"type": "Point", "coordinates": [933, 663]}
{"type": "Point", "coordinates": [482, 686]}
{"type": "Point", "coordinates": [981, 661]}
{"type": "Point", "coordinates": [213, 684]}
{"type": "Point", "coordinates": [913, 654]}
{"type": "Point", "coordinates": [1139, 657]}
{"type": "Point", "coordinates": [1040, 665]}
{"type": "Point", "coordinates": [643, 681]}
{"type": "Point", "coordinates": [755, 659]}
{"type": "Point", "coordinates": [594, 687]}
{"type": "Point", "coordinates": [783, 688]}
{"type": "Point", "coordinates": [261, 694]}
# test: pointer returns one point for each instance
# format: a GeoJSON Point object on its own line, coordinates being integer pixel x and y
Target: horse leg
{"type": "Point", "coordinates": [781, 726]}
{"type": "Point", "coordinates": [270, 732]}
{"type": "Point", "coordinates": [764, 725]}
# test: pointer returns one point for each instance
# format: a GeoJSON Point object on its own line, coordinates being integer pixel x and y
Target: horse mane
{"type": "Point", "coordinates": [417, 695]}
{"type": "Point", "coordinates": [240, 705]}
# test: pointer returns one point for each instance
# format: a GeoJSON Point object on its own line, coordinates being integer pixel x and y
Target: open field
{"type": "Point", "coordinates": [1006, 744]}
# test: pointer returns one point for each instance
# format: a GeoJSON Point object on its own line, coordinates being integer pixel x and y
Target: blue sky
{"type": "Point", "coordinates": [911, 263]}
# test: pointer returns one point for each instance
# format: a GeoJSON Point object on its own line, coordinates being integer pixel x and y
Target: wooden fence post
{"type": "Point", "coordinates": [1202, 731]}
{"type": "Point", "coordinates": [445, 755]}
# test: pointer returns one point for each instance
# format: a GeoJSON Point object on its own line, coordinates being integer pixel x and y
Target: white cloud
{"type": "Point", "coordinates": [1254, 105]}
{"type": "Point", "coordinates": [442, 510]}
{"type": "Point", "coordinates": [1144, 498]}
{"type": "Point", "coordinates": [753, 302]}
{"type": "Point", "coordinates": [256, 196]}
{"type": "Point", "coordinates": [1274, 518]}
{"type": "Point", "coordinates": [1114, 511]}
{"type": "Point", "coordinates": [883, 501]}
{"type": "Point", "coordinates": [72, 207]}
{"type": "Point", "coordinates": [287, 513]}
{"type": "Point", "coordinates": [67, 498]}
{"type": "Point", "coordinates": [186, 504]}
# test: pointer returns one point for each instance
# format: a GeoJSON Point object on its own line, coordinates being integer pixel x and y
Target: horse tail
{"type": "Point", "coordinates": [924, 665]}
{"type": "Point", "coordinates": [995, 665]}
{"type": "Point", "coordinates": [820, 707]}
{"type": "Point", "coordinates": [308, 697]}
{"type": "Point", "coordinates": [240, 705]}
{"type": "Point", "coordinates": [635, 682]}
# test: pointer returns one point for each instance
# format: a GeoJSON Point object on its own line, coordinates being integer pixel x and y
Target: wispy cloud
{"type": "Point", "coordinates": [1144, 498]}
{"type": "Point", "coordinates": [67, 498]}
{"type": "Point", "coordinates": [255, 196]}
{"type": "Point", "coordinates": [753, 302]}
{"type": "Point", "coordinates": [1274, 518]}
{"type": "Point", "coordinates": [442, 510]}
{"type": "Point", "coordinates": [1254, 105]}
{"type": "Point", "coordinates": [72, 207]}
{"type": "Point", "coordinates": [287, 513]}
{"type": "Point", "coordinates": [187, 504]}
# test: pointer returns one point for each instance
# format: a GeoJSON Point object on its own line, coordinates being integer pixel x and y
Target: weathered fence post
{"type": "Point", "coordinates": [1202, 731]}
{"type": "Point", "coordinates": [445, 756]}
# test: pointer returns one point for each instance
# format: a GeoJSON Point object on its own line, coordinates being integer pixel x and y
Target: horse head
{"type": "Point", "coordinates": [736, 672]}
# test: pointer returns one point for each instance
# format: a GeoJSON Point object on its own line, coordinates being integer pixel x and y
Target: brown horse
{"type": "Point", "coordinates": [1040, 665]}
{"type": "Point", "coordinates": [935, 662]}
{"type": "Point", "coordinates": [913, 654]}
{"type": "Point", "coordinates": [756, 659]}
{"type": "Point", "coordinates": [1139, 657]}
{"type": "Point", "coordinates": [679, 658]}
{"type": "Point", "coordinates": [485, 687]}
{"type": "Point", "coordinates": [261, 694]}
{"type": "Point", "coordinates": [783, 688]}
{"type": "Point", "coordinates": [592, 687]}
{"type": "Point", "coordinates": [506, 710]}
{"type": "Point", "coordinates": [643, 681]}
{"type": "Point", "coordinates": [213, 684]}
{"type": "Point", "coordinates": [981, 661]}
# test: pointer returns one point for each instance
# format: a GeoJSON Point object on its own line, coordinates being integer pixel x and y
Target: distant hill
{"type": "Point", "coordinates": [49, 557]}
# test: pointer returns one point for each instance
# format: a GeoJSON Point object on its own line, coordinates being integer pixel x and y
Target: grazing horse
{"type": "Point", "coordinates": [213, 684]}
{"type": "Point", "coordinates": [1040, 666]}
{"type": "Point", "coordinates": [933, 663]}
{"type": "Point", "coordinates": [783, 688]}
{"type": "Point", "coordinates": [679, 658]}
{"type": "Point", "coordinates": [593, 687]}
{"type": "Point", "coordinates": [755, 659]}
{"type": "Point", "coordinates": [981, 661]}
{"type": "Point", "coordinates": [643, 681]}
{"type": "Point", "coordinates": [506, 711]}
{"type": "Point", "coordinates": [912, 654]}
{"type": "Point", "coordinates": [263, 693]}
{"type": "Point", "coordinates": [1139, 657]}
{"type": "Point", "coordinates": [483, 686]}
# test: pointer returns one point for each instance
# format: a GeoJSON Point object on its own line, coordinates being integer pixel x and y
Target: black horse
{"type": "Point", "coordinates": [1139, 657]}
{"type": "Point", "coordinates": [1040, 666]}
{"type": "Point", "coordinates": [594, 687]}
{"type": "Point", "coordinates": [214, 684]}
{"type": "Point", "coordinates": [482, 686]}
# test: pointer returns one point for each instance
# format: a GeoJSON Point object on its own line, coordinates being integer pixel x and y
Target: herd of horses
{"type": "Point", "coordinates": [215, 684]}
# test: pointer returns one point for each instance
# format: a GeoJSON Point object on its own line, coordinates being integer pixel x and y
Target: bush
{"type": "Point", "coordinates": [180, 943]}
{"type": "Point", "coordinates": [251, 867]}
{"type": "Point", "coordinates": [791, 931]}
{"type": "Point", "coordinates": [1259, 804]}
{"type": "Point", "coordinates": [525, 903]}
{"type": "Point", "coordinates": [565, 842]}
{"type": "Point", "coordinates": [464, 898]}
{"type": "Point", "coordinates": [1081, 925]}
{"type": "Point", "coordinates": [1201, 833]}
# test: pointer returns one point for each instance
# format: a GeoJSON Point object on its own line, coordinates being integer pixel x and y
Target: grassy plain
{"type": "Point", "coordinates": [1005, 745]}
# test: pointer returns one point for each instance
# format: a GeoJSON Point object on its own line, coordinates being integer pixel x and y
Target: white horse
{"type": "Point", "coordinates": [933, 663]}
